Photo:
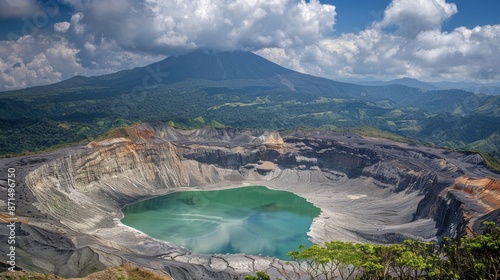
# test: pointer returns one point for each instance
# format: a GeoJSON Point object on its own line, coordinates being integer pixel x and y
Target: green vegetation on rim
{"type": "Point", "coordinates": [491, 162]}
{"type": "Point", "coordinates": [376, 133]}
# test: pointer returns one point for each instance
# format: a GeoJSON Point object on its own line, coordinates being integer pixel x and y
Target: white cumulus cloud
{"type": "Point", "coordinates": [39, 60]}
{"type": "Point", "coordinates": [412, 17]}
{"type": "Point", "coordinates": [170, 26]}
{"type": "Point", "coordinates": [62, 26]}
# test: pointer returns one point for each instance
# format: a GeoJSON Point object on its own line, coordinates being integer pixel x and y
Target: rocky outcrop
{"type": "Point", "coordinates": [369, 190]}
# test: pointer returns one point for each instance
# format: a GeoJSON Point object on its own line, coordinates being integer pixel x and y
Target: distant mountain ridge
{"type": "Point", "coordinates": [246, 70]}
{"type": "Point", "coordinates": [486, 88]}
{"type": "Point", "coordinates": [409, 82]}
{"type": "Point", "coordinates": [203, 65]}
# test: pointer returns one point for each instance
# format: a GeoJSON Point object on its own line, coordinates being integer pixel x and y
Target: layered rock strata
{"type": "Point", "coordinates": [369, 190]}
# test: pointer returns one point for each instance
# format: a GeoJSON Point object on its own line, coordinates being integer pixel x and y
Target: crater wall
{"type": "Point", "coordinates": [369, 190]}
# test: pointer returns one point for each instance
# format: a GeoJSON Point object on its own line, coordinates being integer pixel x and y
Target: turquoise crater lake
{"type": "Point", "coordinates": [253, 220]}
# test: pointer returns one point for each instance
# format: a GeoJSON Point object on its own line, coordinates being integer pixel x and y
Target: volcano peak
{"type": "Point", "coordinates": [217, 66]}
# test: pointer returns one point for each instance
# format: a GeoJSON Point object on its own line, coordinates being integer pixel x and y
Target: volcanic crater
{"type": "Point", "coordinates": [368, 190]}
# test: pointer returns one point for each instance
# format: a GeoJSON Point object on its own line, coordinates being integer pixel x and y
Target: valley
{"type": "Point", "coordinates": [243, 90]}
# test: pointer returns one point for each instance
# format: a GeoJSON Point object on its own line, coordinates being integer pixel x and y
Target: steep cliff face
{"type": "Point", "coordinates": [368, 189]}
{"type": "Point", "coordinates": [81, 190]}
{"type": "Point", "coordinates": [475, 200]}
{"type": "Point", "coordinates": [460, 205]}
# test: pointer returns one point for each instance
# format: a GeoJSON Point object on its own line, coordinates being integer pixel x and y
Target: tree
{"type": "Point", "coordinates": [261, 275]}
{"type": "Point", "coordinates": [347, 257]}
{"type": "Point", "coordinates": [336, 258]}
{"type": "Point", "coordinates": [377, 261]}
{"type": "Point", "coordinates": [477, 257]}
{"type": "Point", "coordinates": [314, 261]}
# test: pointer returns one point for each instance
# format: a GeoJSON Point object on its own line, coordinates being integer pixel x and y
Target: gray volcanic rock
{"type": "Point", "coordinates": [369, 190]}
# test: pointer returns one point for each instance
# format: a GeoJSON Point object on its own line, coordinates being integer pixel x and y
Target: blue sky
{"type": "Point", "coordinates": [43, 42]}
{"type": "Point", "coordinates": [359, 14]}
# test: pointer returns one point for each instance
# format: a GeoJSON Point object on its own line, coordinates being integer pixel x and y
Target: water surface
{"type": "Point", "coordinates": [252, 220]}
